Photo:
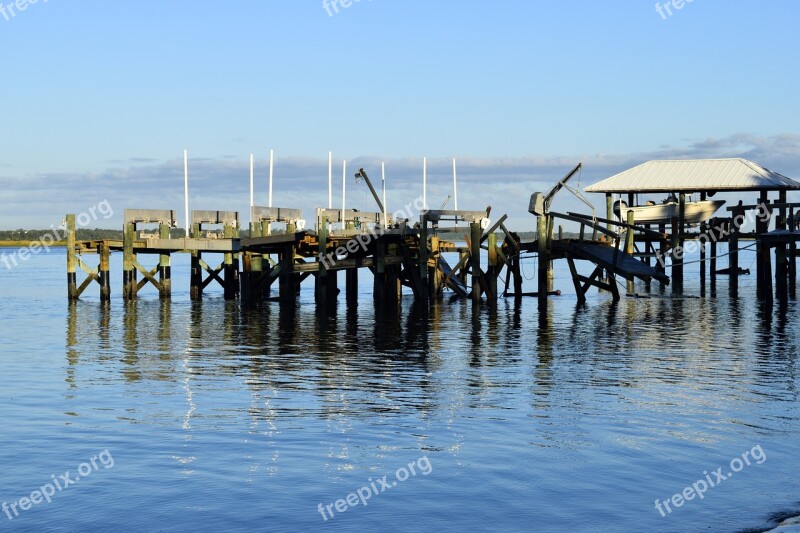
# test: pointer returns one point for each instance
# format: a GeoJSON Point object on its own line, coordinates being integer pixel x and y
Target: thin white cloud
{"type": "Point", "coordinates": [36, 201]}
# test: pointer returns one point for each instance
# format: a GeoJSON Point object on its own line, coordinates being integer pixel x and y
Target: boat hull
{"type": "Point", "coordinates": [695, 212]}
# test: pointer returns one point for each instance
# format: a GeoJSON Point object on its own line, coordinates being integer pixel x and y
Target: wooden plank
{"type": "Point", "coordinates": [213, 274]}
{"type": "Point", "coordinates": [86, 283]}
{"type": "Point", "coordinates": [413, 273]}
{"type": "Point", "coordinates": [494, 228]}
{"type": "Point", "coordinates": [510, 238]}
{"type": "Point", "coordinates": [576, 281]}
{"type": "Point", "coordinates": [149, 275]}
{"type": "Point", "coordinates": [451, 281]}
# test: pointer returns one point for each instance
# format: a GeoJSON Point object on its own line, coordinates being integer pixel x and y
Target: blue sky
{"type": "Point", "coordinates": [101, 98]}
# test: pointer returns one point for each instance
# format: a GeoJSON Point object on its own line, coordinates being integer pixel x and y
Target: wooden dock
{"type": "Point", "coordinates": [400, 255]}
{"type": "Point", "coordinates": [406, 253]}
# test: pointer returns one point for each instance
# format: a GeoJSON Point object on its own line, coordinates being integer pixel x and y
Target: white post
{"type": "Point", "coordinates": [186, 189]}
{"type": "Point", "coordinates": [252, 199]}
{"type": "Point", "coordinates": [344, 188]}
{"type": "Point", "coordinates": [383, 182]}
{"type": "Point", "coordinates": [330, 180]}
{"type": "Point", "coordinates": [455, 186]}
{"type": "Point", "coordinates": [271, 156]}
{"type": "Point", "coordinates": [424, 182]}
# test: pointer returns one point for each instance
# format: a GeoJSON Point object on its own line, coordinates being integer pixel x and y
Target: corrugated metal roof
{"type": "Point", "coordinates": [695, 175]}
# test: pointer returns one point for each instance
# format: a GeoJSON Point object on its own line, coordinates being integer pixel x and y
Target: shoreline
{"type": "Point", "coordinates": [25, 244]}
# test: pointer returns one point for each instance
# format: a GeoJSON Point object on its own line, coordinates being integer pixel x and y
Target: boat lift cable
{"type": "Point", "coordinates": [522, 268]}
{"type": "Point", "coordinates": [752, 262]}
{"type": "Point", "coordinates": [715, 257]}
{"type": "Point", "coordinates": [576, 191]}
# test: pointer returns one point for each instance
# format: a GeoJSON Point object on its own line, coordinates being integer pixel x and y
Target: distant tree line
{"type": "Point", "coordinates": [85, 234]}
{"type": "Point", "coordinates": [58, 234]}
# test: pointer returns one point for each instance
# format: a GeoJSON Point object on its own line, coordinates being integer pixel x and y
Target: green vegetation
{"type": "Point", "coordinates": [20, 237]}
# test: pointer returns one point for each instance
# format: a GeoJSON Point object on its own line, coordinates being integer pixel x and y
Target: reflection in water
{"type": "Point", "coordinates": [352, 357]}
{"type": "Point", "coordinates": [350, 385]}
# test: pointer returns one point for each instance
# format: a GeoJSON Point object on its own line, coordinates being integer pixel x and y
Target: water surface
{"type": "Point", "coordinates": [218, 418]}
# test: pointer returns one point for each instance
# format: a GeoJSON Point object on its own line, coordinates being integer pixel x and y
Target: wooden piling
{"type": "Point", "coordinates": [676, 252]}
{"type": "Point", "coordinates": [475, 260]}
{"type": "Point", "coordinates": [792, 259]}
{"type": "Point", "coordinates": [763, 255]}
{"type": "Point", "coordinates": [422, 290]}
{"type": "Point", "coordinates": [196, 275]}
{"type": "Point", "coordinates": [463, 258]}
{"type": "Point", "coordinates": [320, 292]}
{"type": "Point", "coordinates": [331, 285]}
{"type": "Point", "coordinates": [164, 269]}
{"type": "Point", "coordinates": [550, 267]}
{"type": "Point", "coordinates": [128, 269]}
{"type": "Point", "coordinates": [702, 242]}
{"type": "Point", "coordinates": [393, 287]}
{"type": "Point", "coordinates": [781, 267]}
{"type": "Point", "coordinates": [629, 246]}
{"type": "Point", "coordinates": [230, 269]}
{"type": "Point", "coordinates": [677, 271]}
{"type": "Point", "coordinates": [433, 272]}
{"type": "Point", "coordinates": [72, 260]}
{"type": "Point", "coordinates": [543, 258]}
{"type": "Point", "coordinates": [663, 250]}
{"type": "Point", "coordinates": [733, 249]}
{"type": "Point", "coordinates": [380, 288]}
{"type": "Point", "coordinates": [104, 271]}
{"type": "Point", "coordinates": [713, 251]}
{"type": "Point", "coordinates": [649, 248]}
{"type": "Point", "coordinates": [247, 276]}
{"type": "Point", "coordinates": [780, 272]}
{"type": "Point", "coordinates": [286, 286]}
{"type": "Point", "coordinates": [493, 269]}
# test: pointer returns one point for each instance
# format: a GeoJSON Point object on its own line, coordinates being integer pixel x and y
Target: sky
{"type": "Point", "coordinates": [100, 99]}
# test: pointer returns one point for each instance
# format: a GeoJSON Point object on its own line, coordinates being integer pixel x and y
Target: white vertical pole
{"type": "Point", "coordinates": [186, 189]}
{"type": "Point", "coordinates": [383, 181]}
{"type": "Point", "coordinates": [344, 188]}
{"type": "Point", "coordinates": [252, 199]}
{"type": "Point", "coordinates": [271, 157]}
{"type": "Point", "coordinates": [424, 182]}
{"type": "Point", "coordinates": [455, 186]}
{"type": "Point", "coordinates": [330, 180]}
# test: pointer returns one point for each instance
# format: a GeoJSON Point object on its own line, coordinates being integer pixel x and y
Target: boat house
{"type": "Point", "coordinates": [692, 176]}
{"type": "Point", "coordinates": [705, 177]}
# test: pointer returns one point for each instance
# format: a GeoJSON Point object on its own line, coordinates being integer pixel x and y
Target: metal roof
{"type": "Point", "coordinates": [695, 175]}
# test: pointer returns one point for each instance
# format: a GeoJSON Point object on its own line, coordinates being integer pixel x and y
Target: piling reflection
{"type": "Point", "coordinates": [279, 365]}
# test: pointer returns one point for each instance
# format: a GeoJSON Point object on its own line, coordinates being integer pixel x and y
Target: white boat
{"type": "Point", "coordinates": [652, 213]}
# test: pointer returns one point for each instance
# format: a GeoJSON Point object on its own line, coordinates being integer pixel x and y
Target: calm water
{"type": "Point", "coordinates": [216, 418]}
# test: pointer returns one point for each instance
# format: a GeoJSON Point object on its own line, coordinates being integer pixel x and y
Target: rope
{"type": "Point", "coordinates": [718, 256]}
{"type": "Point", "coordinates": [522, 269]}
{"type": "Point", "coordinates": [751, 262]}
